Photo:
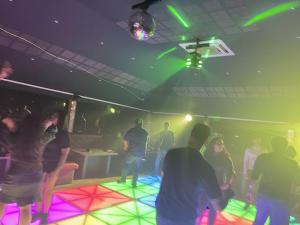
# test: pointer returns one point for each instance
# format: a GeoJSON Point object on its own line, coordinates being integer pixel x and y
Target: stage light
{"type": "Point", "coordinates": [112, 110]}
{"type": "Point", "coordinates": [194, 60]}
{"type": "Point", "coordinates": [188, 118]}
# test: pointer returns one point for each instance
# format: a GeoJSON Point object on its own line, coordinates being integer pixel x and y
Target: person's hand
{"type": "Point", "coordinates": [225, 187]}
{"type": "Point", "coordinates": [6, 70]}
{"type": "Point", "coordinates": [250, 197]}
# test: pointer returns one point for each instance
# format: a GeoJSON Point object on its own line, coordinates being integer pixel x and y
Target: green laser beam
{"type": "Point", "coordinates": [281, 8]}
{"type": "Point", "coordinates": [178, 16]}
{"type": "Point", "coordinates": [166, 52]}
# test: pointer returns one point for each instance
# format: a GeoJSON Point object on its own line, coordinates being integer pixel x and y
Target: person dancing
{"type": "Point", "coordinates": [219, 158]}
{"type": "Point", "coordinates": [22, 180]}
{"type": "Point", "coordinates": [54, 158]}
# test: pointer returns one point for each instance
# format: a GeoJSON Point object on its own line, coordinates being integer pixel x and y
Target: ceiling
{"type": "Point", "coordinates": [83, 47]}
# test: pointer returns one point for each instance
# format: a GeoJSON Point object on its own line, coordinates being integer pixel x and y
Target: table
{"type": "Point", "coordinates": [90, 161]}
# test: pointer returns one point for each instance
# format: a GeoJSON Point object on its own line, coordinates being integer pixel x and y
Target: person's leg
{"type": "Point", "coordinates": [25, 215]}
{"type": "Point", "coordinates": [136, 166]}
{"type": "Point", "coordinates": [48, 191]}
{"type": "Point", "coordinates": [212, 214]}
{"type": "Point", "coordinates": [39, 205]}
{"type": "Point", "coordinates": [2, 209]}
{"type": "Point", "coordinates": [158, 163]}
{"type": "Point", "coordinates": [262, 210]}
{"type": "Point", "coordinates": [163, 221]}
{"type": "Point", "coordinates": [125, 170]}
{"type": "Point", "coordinates": [279, 214]}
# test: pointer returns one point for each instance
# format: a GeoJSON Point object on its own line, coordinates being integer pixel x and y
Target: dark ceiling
{"type": "Point", "coordinates": [260, 82]}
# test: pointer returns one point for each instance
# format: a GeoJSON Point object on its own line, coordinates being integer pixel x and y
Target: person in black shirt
{"type": "Point", "coordinates": [188, 182]}
{"type": "Point", "coordinates": [166, 142]}
{"type": "Point", "coordinates": [54, 157]}
{"type": "Point", "coordinates": [278, 174]}
{"type": "Point", "coordinates": [135, 141]}
{"type": "Point", "coordinates": [219, 158]}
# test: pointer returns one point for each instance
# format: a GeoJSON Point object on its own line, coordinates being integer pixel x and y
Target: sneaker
{"type": "Point", "coordinates": [36, 216]}
{"type": "Point", "coordinates": [133, 185]}
{"type": "Point", "coordinates": [44, 219]}
{"type": "Point", "coordinates": [121, 181]}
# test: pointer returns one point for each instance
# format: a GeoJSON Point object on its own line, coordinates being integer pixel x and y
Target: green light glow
{"type": "Point", "coordinates": [281, 8]}
{"type": "Point", "coordinates": [177, 15]}
{"type": "Point", "coordinates": [183, 38]}
{"type": "Point", "coordinates": [166, 52]}
{"type": "Point", "coordinates": [211, 41]}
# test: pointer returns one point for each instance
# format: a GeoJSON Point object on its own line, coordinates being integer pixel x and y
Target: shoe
{"type": "Point", "coordinates": [44, 219]}
{"type": "Point", "coordinates": [133, 185]}
{"type": "Point", "coordinates": [121, 181]}
{"type": "Point", "coordinates": [36, 216]}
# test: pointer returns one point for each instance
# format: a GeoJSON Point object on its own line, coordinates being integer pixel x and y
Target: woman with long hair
{"type": "Point", "coordinates": [219, 158]}
{"type": "Point", "coordinates": [54, 158]}
{"type": "Point", "coordinates": [22, 181]}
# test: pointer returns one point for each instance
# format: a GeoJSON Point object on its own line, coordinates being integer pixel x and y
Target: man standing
{"type": "Point", "coordinates": [188, 182]}
{"type": "Point", "coordinates": [278, 174]}
{"type": "Point", "coordinates": [135, 141]}
{"type": "Point", "coordinates": [166, 142]}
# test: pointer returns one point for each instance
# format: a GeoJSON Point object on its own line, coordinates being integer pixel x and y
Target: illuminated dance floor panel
{"type": "Point", "coordinates": [90, 198]}
{"type": "Point", "coordinates": [142, 190]}
{"type": "Point", "coordinates": [110, 203]}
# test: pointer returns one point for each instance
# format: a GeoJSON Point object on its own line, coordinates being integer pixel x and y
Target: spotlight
{"type": "Point", "coordinates": [188, 118]}
{"type": "Point", "coordinates": [112, 110]}
{"type": "Point", "coordinates": [194, 60]}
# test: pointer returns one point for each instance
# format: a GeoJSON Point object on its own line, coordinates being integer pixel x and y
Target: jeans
{"type": "Point", "coordinates": [159, 160]}
{"type": "Point", "coordinates": [267, 207]}
{"type": "Point", "coordinates": [163, 221]}
{"type": "Point", "coordinates": [132, 165]}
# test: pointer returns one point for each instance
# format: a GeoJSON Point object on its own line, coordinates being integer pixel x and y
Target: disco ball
{"type": "Point", "coordinates": [141, 26]}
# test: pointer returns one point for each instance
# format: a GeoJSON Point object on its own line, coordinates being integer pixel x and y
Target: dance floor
{"type": "Point", "coordinates": [110, 203]}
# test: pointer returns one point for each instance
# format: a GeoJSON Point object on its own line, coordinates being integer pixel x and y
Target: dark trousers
{"type": "Point", "coordinates": [132, 166]}
{"type": "Point", "coordinates": [163, 221]}
{"type": "Point", "coordinates": [159, 161]}
{"type": "Point", "coordinates": [267, 207]}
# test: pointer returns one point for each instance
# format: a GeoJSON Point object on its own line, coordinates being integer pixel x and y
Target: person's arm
{"type": "Point", "coordinates": [125, 145]}
{"type": "Point", "coordinates": [6, 70]}
{"type": "Point", "coordinates": [230, 175]}
{"type": "Point", "coordinates": [62, 159]}
{"type": "Point", "coordinates": [256, 173]}
{"type": "Point", "coordinates": [213, 190]}
{"type": "Point", "coordinates": [246, 162]}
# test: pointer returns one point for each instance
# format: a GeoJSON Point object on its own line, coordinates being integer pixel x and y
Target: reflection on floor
{"type": "Point", "coordinates": [110, 203]}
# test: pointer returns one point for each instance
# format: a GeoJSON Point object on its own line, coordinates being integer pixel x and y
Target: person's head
{"type": "Point", "coordinates": [166, 125]}
{"type": "Point", "coordinates": [199, 135]}
{"type": "Point", "coordinates": [57, 117]}
{"type": "Point", "coordinates": [10, 124]}
{"type": "Point", "coordinates": [216, 145]}
{"type": "Point", "coordinates": [279, 144]}
{"type": "Point", "coordinates": [256, 140]}
{"type": "Point", "coordinates": [291, 152]}
{"type": "Point", "coordinates": [138, 123]}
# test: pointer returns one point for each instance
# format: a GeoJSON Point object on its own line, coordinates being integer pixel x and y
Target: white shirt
{"type": "Point", "coordinates": [250, 157]}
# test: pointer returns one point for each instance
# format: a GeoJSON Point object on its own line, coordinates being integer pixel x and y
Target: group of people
{"type": "Point", "coordinates": [37, 147]}
{"type": "Point", "coordinates": [194, 181]}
